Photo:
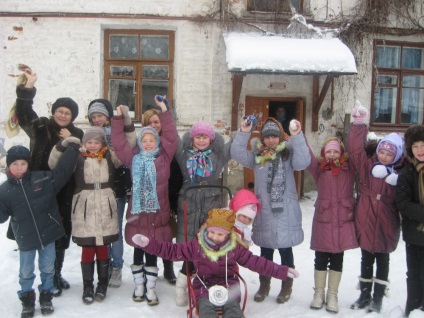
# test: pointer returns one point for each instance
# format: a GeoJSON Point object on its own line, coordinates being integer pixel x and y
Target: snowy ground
{"type": "Point", "coordinates": [119, 303]}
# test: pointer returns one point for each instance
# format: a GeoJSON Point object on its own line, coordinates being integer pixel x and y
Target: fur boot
{"type": "Point", "coordinates": [46, 303]}
{"type": "Point", "coordinates": [28, 304]}
{"type": "Point", "coordinates": [381, 288]}
{"type": "Point", "coordinates": [181, 296]}
{"type": "Point", "coordinates": [365, 286]}
{"type": "Point", "coordinates": [139, 289]}
{"type": "Point", "coordinates": [151, 278]}
{"type": "Point", "coordinates": [103, 279]}
{"type": "Point", "coordinates": [320, 278]}
{"type": "Point", "coordinates": [285, 292]}
{"type": "Point", "coordinates": [264, 287]}
{"type": "Point", "coordinates": [332, 291]}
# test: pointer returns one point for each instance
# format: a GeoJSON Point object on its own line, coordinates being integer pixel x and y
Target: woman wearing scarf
{"type": "Point", "coordinates": [274, 158]}
{"type": "Point", "coordinates": [333, 226]}
{"type": "Point", "coordinates": [148, 209]}
{"type": "Point", "coordinates": [376, 217]}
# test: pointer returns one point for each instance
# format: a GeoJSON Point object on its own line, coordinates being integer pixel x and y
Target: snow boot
{"type": "Point", "coordinates": [365, 286]}
{"type": "Point", "coordinates": [87, 278]}
{"type": "Point", "coordinates": [151, 278]}
{"type": "Point", "coordinates": [264, 287]}
{"type": "Point", "coordinates": [320, 278]}
{"type": "Point", "coordinates": [103, 279]}
{"type": "Point", "coordinates": [332, 291]}
{"type": "Point", "coordinates": [139, 289]}
{"type": "Point", "coordinates": [115, 279]}
{"type": "Point", "coordinates": [413, 300]}
{"type": "Point", "coordinates": [181, 294]}
{"type": "Point", "coordinates": [59, 283]}
{"type": "Point", "coordinates": [46, 303]}
{"type": "Point", "coordinates": [168, 272]}
{"type": "Point", "coordinates": [286, 290]}
{"type": "Point", "coordinates": [28, 304]}
{"type": "Point", "coordinates": [381, 289]}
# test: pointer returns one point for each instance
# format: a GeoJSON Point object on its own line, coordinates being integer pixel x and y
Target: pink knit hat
{"type": "Point", "coordinates": [202, 128]}
{"type": "Point", "coordinates": [333, 145]}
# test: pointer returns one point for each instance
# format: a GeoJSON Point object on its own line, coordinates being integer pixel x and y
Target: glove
{"type": "Point", "coordinates": [251, 120]}
{"type": "Point", "coordinates": [379, 171]}
{"type": "Point", "coordinates": [141, 240]}
{"type": "Point", "coordinates": [359, 113]}
{"type": "Point", "coordinates": [392, 179]}
{"type": "Point", "coordinates": [126, 117]}
{"type": "Point", "coordinates": [292, 273]}
{"type": "Point", "coordinates": [65, 142]}
{"type": "Point", "coordinates": [164, 100]}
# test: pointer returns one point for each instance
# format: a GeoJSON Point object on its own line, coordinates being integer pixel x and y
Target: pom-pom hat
{"type": "Point", "coordinates": [68, 103]}
{"type": "Point", "coordinates": [17, 153]}
{"type": "Point", "coordinates": [221, 220]}
{"type": "Point", "coordinates": [96, 133]}
{"type": "Point", "coordinates": [202, 128]}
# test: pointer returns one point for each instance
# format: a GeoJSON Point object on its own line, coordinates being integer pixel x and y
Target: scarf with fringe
{"type": "Point", "coordinates": [99, 155]}
{"type": "Point", "coordinates": [334, 165]}
{"type": "Point", "coordinates": [420, 169]}
{"type": "Point", "coordinates": [212, 251]}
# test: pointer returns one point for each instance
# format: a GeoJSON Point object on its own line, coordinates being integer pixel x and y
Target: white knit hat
{"type": "Point", "coordinates": [250, 210]}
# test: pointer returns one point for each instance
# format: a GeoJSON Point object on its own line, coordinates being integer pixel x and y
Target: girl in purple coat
{"type": "Point", "coordinates": [215, 253]}
{"type": "Point", "coordinates": [376, 217]}
{"type": "Point", "coordinates": [333, 227]}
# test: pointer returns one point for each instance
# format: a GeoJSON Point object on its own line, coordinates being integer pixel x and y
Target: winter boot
{"type": "Point", "coordinates": [139, 289]}
{"type": "Point", "coordinates": [168, 272]}
{"type": "Point", "coordinates": [115, 279]}
{"type": "Point", "coordinates": [320, 278]}
{"type": "Point", "coordinates": [285, 292]}
{"type": "Point", "coordinates": [151, 277]}
{"type": "Point", "coordinates": [264, 287]}
{"type": "Point", "coordinates": [381, 289]}
{"type": "Point", "coordinates": [103, 279]}
{"type": "Point", "coordinates": [365, 286]}
{"type": "Point", "coordinates": [59, 282]}
{"type": "Point", "coordinates": [332, 291]}
{"type": "Point", "coordinates": [46, 303]}
{"type": "Point", "coordinates": [28, 304]}
{"type": "Point", "coordinates": [413, 300]}
{"type": "Point", "coordinates": [87, 278]}
{"type": "Point", "coordinates": [181, 294]}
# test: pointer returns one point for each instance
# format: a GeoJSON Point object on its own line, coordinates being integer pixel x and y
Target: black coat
{"type": "Point", "coordinates": [31, 203]}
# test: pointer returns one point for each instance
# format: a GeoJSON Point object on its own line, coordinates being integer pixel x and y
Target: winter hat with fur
{"type": "Point", "coordinates": [272, 128]}
{"type": "Point", "coordinates": [102, 106]}
{"type": "Point", "coordinates": [220, 220]}
{"type": "Point", "coordinates": [96, 133]}
{"type": "Point", "coordinates": [68, 103]}
{"type": "Point", "coordinates": [393, 143]}
{"type": "Point", "coordinates": [413, 134]}
{"type": "Point", "coordinates": [202, 128]}
{"type": "Point", "coordinates": [17, 153]}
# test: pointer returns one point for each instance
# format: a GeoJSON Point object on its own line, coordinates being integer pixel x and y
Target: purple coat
{"type": "Point", "coordinates": [333, 226]}
{"type": "Point", "coordinates": [213, 273]}
{"type": "Point", "coordinates": [376, 219]}
{"type": "Point", "coordinates": [150, 224]}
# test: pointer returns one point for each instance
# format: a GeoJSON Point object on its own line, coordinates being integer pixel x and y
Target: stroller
{"type": "Point", "coordinates": [191, 297]}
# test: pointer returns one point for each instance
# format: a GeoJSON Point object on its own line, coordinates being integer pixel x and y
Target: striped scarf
{"type": "Point", "coordinates": [199, 164]}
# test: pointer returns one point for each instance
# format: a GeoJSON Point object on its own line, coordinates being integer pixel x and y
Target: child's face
{"type": "Point", "coordinates": [385, 157]}
{"type": "Point", "coordinates": [244, 219]}
{"type": "Point", "coordinates": [217, 236]}
{"type": "Point", "coordinates": [98, 119]}
{"type": "Point", "coordinates": [93, 145]}
{"type": "Point", "coordinates": [18, 168]}
{"type": "Point", "coordinates": [148, 143]}
{"type": "Point", "coordinates": [271, 141]}
{"type": "Point", "coordinates": [201, 142]}
{"type": "Point", "coordinates": [154, 122]}
{"type": "Point", "coordinates": [332, 154]}
{"type": "Point", "coordinates": [418, 150]}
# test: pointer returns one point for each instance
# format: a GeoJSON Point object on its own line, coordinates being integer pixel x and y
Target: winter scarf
{"type": "Point", "coordinates": [334, 165]}
{"type": "Point", "coordinates": [108, 131]}
{"type": "Point", "coordinates": [276, 184]}
{"type": "Point", "coordinates": [199, 164]}
{"type": "Point", "coordinates": [420, 169]}
{"type": "Point", "coordinates": [213, 251]}
{"type": "Point", "coordinates": [99, 155]}
{"type": "Point", "coordinates": [266, 153]}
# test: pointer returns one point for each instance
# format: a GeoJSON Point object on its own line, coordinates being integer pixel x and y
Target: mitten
{"type": "Point", "coordinates": [379, 171]}
{"type": "Point", "coordinates": [292, 273]}
{"type": "Point", "coordinates": [141, 240]}
{"type": "Point", "coordinates": [392, 179]}
{"type": "Point", "coordinates": [125, 116]}
{"type": "Point", "coordinates": [359, 113]}
{"type": "Point", "coordinates": [65, 142]}
{"type": "Point", "coordinates": [164, 100]}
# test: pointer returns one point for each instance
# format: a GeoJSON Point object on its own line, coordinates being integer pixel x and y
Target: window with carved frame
{"type": "Point", "coordinates": [279, 6]}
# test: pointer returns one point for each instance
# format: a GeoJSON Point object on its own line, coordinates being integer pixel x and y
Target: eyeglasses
{"type": "Point", "coordinates": [63, 113]}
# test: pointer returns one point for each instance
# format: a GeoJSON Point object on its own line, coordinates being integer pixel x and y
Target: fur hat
{"type": "Point", "coordinates": [413, 134]}
{"type": "Point", "coordinates": [102, 106]}
{"type": "Point", "coordinates": [202, 128]}
{"type": "Point", "coordinates": [272, 128]}
{"type": "Point", "coordinates": [68, 103]}
{"type": "Point", "coordinates": [17, 153]}
{"type": "Point", "coordinates": [96, 133]}
{"type": "Point", "coordinates": [221, 220]}
{"type": "Point", "coordinates": [249, 210]}
{"type": "Point", "coordinates": [393, 143]}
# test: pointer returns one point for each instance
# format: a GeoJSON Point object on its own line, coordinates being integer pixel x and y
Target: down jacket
{"type": "Point", "coordinates": [282, 229]}
{"type": "Point", "coordinates": [150, 224]}
{"type": "Point", "coordinates": [31, 203]}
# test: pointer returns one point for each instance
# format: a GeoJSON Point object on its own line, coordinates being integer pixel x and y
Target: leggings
{"type": "Point", "coordinates": [151, 260]}
{"type": "Point", "coordinates": [367, 265]}
{"type": "Point", "coordinates": [334, 261]}
{"type": "Point", "coordinates": [88, 253]}
{"type": "Point", "coordinates": [286, 255]}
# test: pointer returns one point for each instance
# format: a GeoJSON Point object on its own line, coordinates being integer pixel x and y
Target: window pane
{"type": "Point", "coordinates": [121, 70]}
{"type": "Point", "coordinates": [412, 58]}
{"type": "Point", "coordinates": [273, 5]}
{"type": "Point", "coordinates": [156, 71]}
{"type": "Point", "coordinates": [150, 89]}
{"type": "Point", "coordinates": [388, 56]}
{"type": "Point", "coordinates": [123, 46]}
{"type": "Point", "coordinates": [154, 47]}
{"type": "Point", "coordinates": [385, 105]}
{"type": "Point", "coordinates": [387, 79]}
{"type": "Point", "coordinates": [412, 99]}
{"type": "Point", "coordinates": [121, 92]}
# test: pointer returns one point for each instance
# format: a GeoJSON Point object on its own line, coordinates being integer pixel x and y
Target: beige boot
{"type": "Point", "coordinates": [285, 292]}
{"type": "Point", "coordinates": [320, 278]}
{"type": "Point", "coordinates": [333, 289]}
{"type": "Point", "coordinates": [181, 296]}
{"type": "Point", "coordinates": [265, 285]}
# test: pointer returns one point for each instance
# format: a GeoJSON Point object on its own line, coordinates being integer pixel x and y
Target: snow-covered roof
{"type": "Point", "coordinates": [255, 53]}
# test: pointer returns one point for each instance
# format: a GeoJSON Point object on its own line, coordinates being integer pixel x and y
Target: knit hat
{"type": "Point", "coordinates": [147, 130]}
{"type": "Point", "coordinates": [250, 210]}
{"type": "Point", "coordinates": [17, 153]}
{"type": "Point", "coordinates": [96, 133]}
{"type": "Point", "coordinates": [393, 143]}
{"type": "Point", "coordinates": [272, 128]}
{"type": "Point", "coordinates": [243, 197]}
{"type": "Point", "coordinates": [102, 106]}
{"type": "Point", "coordinates": [221, 220]}
{"type": "Point", "coordinates": [202, 128]}
{"type": "Point", "coordinates": [332, 145]}
{"type": "Point", "coordinates": [68, 103]}
{"type": "Point", "coordinates": [413, 134]}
